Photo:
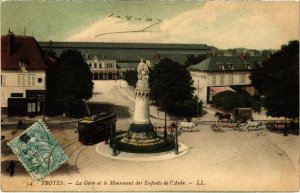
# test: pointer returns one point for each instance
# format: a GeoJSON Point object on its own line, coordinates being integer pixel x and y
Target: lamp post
{"type": "Point", "coordinates": [197, 103]}
{"type": "Point", "coordinates": [114, 147]}
{"type": "Point", "coordinates": [113, 137]}
{"type": "Point", "coordinates": [198, 100]}
{"type": "Point", "coordinates": [176, 140]}
{"type": "Point", "coordinates": [44, 105]}
{"type": "Point", "coordinates": [165, 130]}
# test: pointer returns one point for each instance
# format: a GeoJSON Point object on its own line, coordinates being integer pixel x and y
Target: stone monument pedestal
{"type": "Point", "coordinates": [141, 137]}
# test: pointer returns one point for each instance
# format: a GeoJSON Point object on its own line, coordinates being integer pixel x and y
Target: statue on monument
{"type": "Point", "coordinates": [143, 71]}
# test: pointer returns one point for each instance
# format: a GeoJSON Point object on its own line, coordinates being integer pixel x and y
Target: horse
{"type": "Point", "coordinates": [253, 124]}
{"type": "Point", "coordinates": [188, 125]}
{"type": "Point", "coordinates": [222, 116]}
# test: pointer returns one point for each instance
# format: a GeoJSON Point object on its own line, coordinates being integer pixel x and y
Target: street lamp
{"type": "Point", "coordinates": [113, 137]}
{"type": "Point", "coordinates": [198, 99]}
{"type": "Point", "coordinates": [114, 147]}
{"type": "Point", "coordinates": [176, 140]}
{"type": "Point", "coordinates": [45, 99]}
{"type": "Point", "coordinates": [197, 103]}
{"type": "Point", "coordinates": [165, 131]}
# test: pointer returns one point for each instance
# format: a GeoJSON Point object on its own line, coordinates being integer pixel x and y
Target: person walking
{"type": "Point", "coordinates": [11, 168]}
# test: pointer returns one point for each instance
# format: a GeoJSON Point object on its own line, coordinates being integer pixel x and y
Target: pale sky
{"type": "Point", "coordinates": [257, 25]}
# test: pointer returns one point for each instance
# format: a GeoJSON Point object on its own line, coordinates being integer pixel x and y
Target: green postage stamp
{"type": "Point", "coordinates": [38, 150]}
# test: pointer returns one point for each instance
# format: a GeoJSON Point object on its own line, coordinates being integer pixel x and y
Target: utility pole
{"type": "Point", "coordinates": [45, 93]}
{"type": "Point", "coordinates": [198, 99]}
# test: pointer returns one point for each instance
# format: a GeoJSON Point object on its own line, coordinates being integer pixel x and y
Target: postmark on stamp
{"type": "Point", "coordinates": [38, 150]}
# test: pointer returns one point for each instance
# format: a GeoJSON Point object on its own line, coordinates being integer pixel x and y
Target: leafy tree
{"type": "Point", "coordinates": [229, 100]}
{"type": "Point", "coordinates": [171, 87]}
{"type": "Point", "coordinates": [130, 76]}
{"type": "Point", "coordinates": [69, 82]}
{"type": "Point", "coordinates": [278, 80]}
{"type": "Point", "coordinates": [191, 59]}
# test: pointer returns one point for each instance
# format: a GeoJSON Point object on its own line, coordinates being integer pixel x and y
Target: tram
{"type": "Point", "coordinates": [96, 128]}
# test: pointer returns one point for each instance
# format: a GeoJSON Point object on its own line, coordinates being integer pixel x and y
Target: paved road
{"type": "Point", "coordinates": [228, 160]}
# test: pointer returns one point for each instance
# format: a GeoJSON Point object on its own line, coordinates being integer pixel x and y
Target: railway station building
{"type": "Point", "coordinates": [111, 60]}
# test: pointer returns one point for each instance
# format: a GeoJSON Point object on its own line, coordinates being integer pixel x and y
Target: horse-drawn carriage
{"type": "Point", "coordinates": [240, 119]}
{"type": "Point", "coordinates": [241, 115]}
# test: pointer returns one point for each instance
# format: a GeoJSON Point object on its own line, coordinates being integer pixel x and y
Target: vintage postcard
{"type": "Point", "coordinates": [149, 96]}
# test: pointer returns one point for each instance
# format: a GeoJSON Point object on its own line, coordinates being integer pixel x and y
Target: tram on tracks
{"type": "Point", "coordinates": [96, 128]}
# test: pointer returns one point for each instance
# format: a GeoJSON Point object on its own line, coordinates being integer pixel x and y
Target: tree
{"type": "Point", "coordinates": [171, 87]}
{"type": "Point", "coordinates": [229, 100]}
{"type": "Point", "coordinates": [130, 76]}
{"type": "Point", "coordinates": [69, 82]}
{"type": "Point", "coordinates": [191, 59]}
{"type": "Point", "coordinates": [277, 79]}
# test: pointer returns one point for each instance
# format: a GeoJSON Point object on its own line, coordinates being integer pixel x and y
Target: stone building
{"type": "Point", "coordinates": [221, 73]}
{"type": "Point", "coordinates": [102, 69]}
{"type": "Point", "coordinates": [22, 75]}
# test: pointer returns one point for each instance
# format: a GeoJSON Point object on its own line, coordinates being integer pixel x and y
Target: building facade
{"type": "Point", "coordinates": [22, 76]}
{"type": "Point", "coordinates": [221, 73]}
{"type": "Point", "coordinates": [102, 69]}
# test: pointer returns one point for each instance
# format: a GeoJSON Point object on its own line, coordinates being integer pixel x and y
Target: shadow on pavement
{"type": "Point", "coordinates": [203, 112]}
{"type": "Point", "coordinates": [281, 131]}
{"type": "Point", "coordinates": [19, 169]}
{"type": "Point", "coordinates": [96, 93]}
{"type": "Point", "coordinates": [120, 111]}
{"type": "Point", "coordinates": [5, 149]}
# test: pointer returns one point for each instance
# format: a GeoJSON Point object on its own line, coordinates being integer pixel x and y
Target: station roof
{"type": "Point", "coordinates": [125, 45]}
{"type": "Point", "coordinates": [229, 63]}
{"type": "Point", "coordinates": [131, 51]}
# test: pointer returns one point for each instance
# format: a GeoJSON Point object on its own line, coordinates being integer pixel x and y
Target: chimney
{"type": "Point", "coordinates": [10, 42]}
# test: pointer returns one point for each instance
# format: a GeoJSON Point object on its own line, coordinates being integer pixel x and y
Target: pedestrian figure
{"type": "Point", "coordinates": [20, 124]}
{"type": "Point", "coordinates": [11, 168]}
{"type": "Point", "coordinates": [75, 127]}
{"type": "Point", "coordinates": [285, 131]}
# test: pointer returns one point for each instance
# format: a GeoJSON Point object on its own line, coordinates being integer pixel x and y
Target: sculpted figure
{"type": "Point", "coordinates": [143, 71]}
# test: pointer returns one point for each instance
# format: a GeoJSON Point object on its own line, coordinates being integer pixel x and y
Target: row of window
{"type": "Point", "coordinates": [231, 67]}
{"type": "Point", "coordinates": [32, 107]}
{"type": "Point", "coordinates": [105, 65]}
{"type": "Point", "coordinates": [230, 79]}
{"type": "Point", "coordinates": [31, 80]}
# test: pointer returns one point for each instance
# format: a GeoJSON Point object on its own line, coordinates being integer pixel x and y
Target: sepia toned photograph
{"type": "Point", "coordinates": [149, 96]}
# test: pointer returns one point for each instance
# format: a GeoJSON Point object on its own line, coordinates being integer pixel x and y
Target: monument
{"type": "Point", "coordinates": [141, 137]}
